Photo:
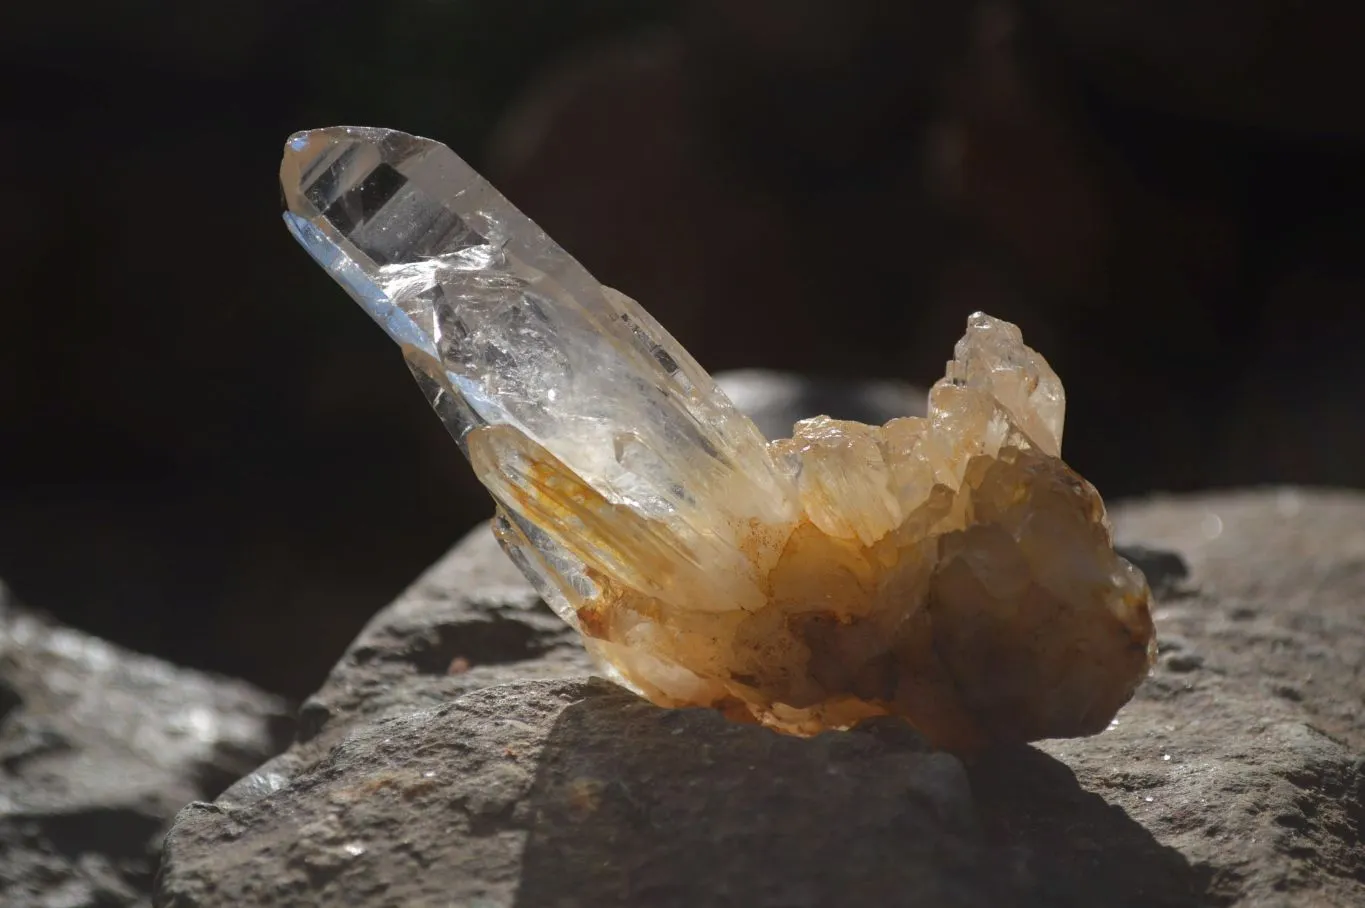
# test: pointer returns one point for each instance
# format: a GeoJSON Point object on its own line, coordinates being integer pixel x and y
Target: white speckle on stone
{"type": "Point", "coordinates": [202, 723]}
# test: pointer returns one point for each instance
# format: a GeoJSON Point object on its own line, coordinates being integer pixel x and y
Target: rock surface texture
{"type": "Point", "coordinates": [459, 755]}
{"type": "Point", "coordinates": [99, 747]}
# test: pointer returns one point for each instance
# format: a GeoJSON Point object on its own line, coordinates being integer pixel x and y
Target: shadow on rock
{"type": "Point", "coordinates": [1058, 845]}
{"type": "Point", "coordinates": [634, 805]}
{"type": "Point", "coordinates": [571, 792]}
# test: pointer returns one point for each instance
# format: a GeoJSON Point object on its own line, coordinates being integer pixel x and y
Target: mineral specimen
{"type": "Point", "coordinates": [951, 570]}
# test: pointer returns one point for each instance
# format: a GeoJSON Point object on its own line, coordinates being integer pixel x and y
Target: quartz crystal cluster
{"type": "Point", "coordinates": [951, 570]}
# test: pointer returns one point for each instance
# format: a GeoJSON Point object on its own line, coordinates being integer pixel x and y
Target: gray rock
{"type": "Point", "coordinates": [1257, 797]}
{"type": "Point", "coordinates": [1234, 777]}
{"type": "Point", "coordinates": [577, 793]}
{"type": "Point", "coordinates": [468, 623]}
{"type": "Point", "coordinates": [99, 748]}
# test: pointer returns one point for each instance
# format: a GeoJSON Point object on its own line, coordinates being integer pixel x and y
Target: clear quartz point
{"type": "Point", "coordinates": [950, 569]}
{"type": "Point", "coordinates": [502, 327]}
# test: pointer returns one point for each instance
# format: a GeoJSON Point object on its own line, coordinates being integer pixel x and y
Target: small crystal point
{"type": "Point", "coordinates": [949, 569]}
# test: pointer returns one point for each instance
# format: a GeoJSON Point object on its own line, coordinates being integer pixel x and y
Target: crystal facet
{"type": "Point", "coordinates": [951, 569]}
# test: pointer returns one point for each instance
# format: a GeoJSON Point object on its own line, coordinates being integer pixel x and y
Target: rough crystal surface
{"type": "Point", "coordinates": [949, 569]}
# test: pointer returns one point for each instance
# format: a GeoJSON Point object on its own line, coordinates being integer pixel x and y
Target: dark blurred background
{"type": "Point", "coordinates": [207, 452]}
